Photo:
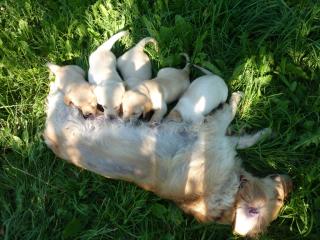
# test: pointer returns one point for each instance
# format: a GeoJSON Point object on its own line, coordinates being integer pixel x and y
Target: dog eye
{"type": "Point", "coordinates": [278, 197]}
{"type": "Point", "coordinates": [275, 177]}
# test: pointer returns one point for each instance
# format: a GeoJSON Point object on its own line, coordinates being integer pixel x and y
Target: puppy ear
{"type": "Point", "coordinates": [67, 100]}
{"type": "Point", "coordinates": [147, 108]}
{"type": "Point", "coordinates": [53, 67]}
{"type": "Point", "coordinates": [174, 115]}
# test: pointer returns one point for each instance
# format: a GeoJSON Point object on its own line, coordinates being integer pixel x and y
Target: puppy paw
{"type": "Point", "coordinates": [154, 124]}
{"type": "Point", "coordinates": [236, 96]}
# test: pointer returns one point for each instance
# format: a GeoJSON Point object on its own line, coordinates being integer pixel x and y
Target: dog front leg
{"type": "Point", "coordinates": [159, 113]}
{"type": "Point", "coordinates": [224, 116]}
{"type": "Point", "coordinates": [248, 140]}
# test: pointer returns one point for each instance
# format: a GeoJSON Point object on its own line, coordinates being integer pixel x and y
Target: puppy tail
{"type": "Point", "coordinates": [143, 42]}
{"type": "Point", "coordinates": [205, 71]}
{"type": "Point", "coordinates": [111, 41]}
{"type": "Point", "coordinates": [188, 64]}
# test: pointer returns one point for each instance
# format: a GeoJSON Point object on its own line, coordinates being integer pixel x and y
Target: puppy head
{"type": "Point", "coordinates": [134, 104]}
{"type": "Point", "coordinates": [83, 97]}
{"type": "Point", "coordinates": [174, 115]}
{"type": "Point", "coordinates": [259, 202]}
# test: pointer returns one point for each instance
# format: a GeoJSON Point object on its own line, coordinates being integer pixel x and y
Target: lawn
{"type": "Point", "coordinates": [269, 49]}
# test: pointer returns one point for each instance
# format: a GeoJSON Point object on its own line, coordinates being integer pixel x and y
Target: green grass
{"type": "Point", "coordinates": [270, 49]}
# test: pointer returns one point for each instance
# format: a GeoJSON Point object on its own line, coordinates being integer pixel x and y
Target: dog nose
{"type": "Point", "coordinates": [87, 115]}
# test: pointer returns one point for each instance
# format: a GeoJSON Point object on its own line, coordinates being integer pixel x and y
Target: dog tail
{"type": "Point", "coordinates": [205, 71]}
{"type": "Point", "coordinates": [188, 64]}
{"type": "Point", "coordinates": [107, 45]}
{"type": "Point", "coordinates": [143, 42]}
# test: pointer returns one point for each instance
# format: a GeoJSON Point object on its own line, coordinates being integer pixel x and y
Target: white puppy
{"type": "Point", "coordinates": [154, 94]}
{"type": "Point", "coordinates": [103, 73]}
{"type": "Point", "coordinates": [203, 95]}
{"type": "Point", "coordinates": [77, 91]}
{"type": "Point", "coordinates": [134, 65]}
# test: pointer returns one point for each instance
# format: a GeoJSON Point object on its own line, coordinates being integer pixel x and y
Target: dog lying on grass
{"type": "Point", "coordinates": [109, 87]}
{"type": "Point", "coordinates": [134, 65]}
{"type": "Point", "coordinates": [155, 94]}
{"type": "Point", "coordinates": [77, 91]}
{"type": "Point", "coordinates": [203, 95]}
{"type": "Point", "coordinates": [196, 167]}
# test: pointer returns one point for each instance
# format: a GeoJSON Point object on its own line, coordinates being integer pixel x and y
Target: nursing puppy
{"type": "Point", "coordinates": [203, 95]}
{"type": "Point", "coordinates": [134, 65]}
{"type": "Point", "coordinates": [103, 73]}
{"type": "Point", "coordinates": [77, 91]}
{"type": "Point", "coordinates": [168, 86]}
{"type": "Point", "coordinates": [195, 166]}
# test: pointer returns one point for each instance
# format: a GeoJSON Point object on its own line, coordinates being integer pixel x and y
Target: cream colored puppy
{"type": "Point", "coordinates": [154, 94]}
{"type": "Point", "coordinates": [77, 91]}
{"type": "Point", "coordinates": [203, 95]}
{"type": "Point", "coordinates": [103, 73]}
{"type": "Point", "coordinates": [134, 65]}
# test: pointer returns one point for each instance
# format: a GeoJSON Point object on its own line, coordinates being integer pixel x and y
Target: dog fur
{"type": "Point", "coordinates": [103, 73]}
{"type": "Point", "coordinates": [77, 91]}
{"type": "Point", "coordinates": [134, 65]}
{"type": "Point", "coordinates": [195, 166]}
{"type": "Point", "coordinates": [168, 86]}
{"type": "Point", "coordinates": [203, 95]}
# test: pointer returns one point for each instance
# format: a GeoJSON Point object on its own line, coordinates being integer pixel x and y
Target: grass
{"type": "Point", "coordinates": [270, 49]}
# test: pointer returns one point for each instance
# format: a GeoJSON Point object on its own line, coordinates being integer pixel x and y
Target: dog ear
{"type": "Point", "coordinates": [67, 100]}
{"type": "Point", "coordinates": [147, 108]}
{"type": "Point", "coordinates": [174, 115]}
{"type": "Point", "coordinates": [53, 67]}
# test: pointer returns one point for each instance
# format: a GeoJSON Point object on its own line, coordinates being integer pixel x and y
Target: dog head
{"type": "Point", "coordinates": [135, 104]}
{"type": "Point", "coordinates": [77, 90]}
{"type": "Point", "coordinates": [259, 202]}
{"type": "Point", "coordinates": [82, 97]}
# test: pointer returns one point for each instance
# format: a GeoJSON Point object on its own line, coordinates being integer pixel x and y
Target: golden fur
{"type": "Point", "coordinates": [77, 91]}
{"type": "Point", "coordinates": [195, 166]}
{"type": "Point", "coordinates": [154, 94]}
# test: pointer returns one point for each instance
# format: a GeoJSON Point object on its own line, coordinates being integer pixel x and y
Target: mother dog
{"type": "Point", "coordinates": [196, 167]}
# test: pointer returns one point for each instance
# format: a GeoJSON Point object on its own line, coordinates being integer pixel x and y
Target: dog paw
{"type": "Point", "coordinates": [237, 95]}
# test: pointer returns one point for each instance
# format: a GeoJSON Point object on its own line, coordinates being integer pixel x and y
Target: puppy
{"type": "Point", "coordinates": [195, 166]}
{"type": "Point", "coordinates": [168, 86]}
{"type": "Point", "coordinates": [77, 91]}
{"type": "Point", "coordinates": [103, 73]}
{"type": "Point", "coordinates": [134, 65]}
{"type": "Point", "coordinates": [203, 95]}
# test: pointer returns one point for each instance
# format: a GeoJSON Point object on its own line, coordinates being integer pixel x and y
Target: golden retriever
{"type": "Point", "coordinates": [77, 91]}
{"type": "Point", "coordinates": [134, 65]}
{"type": "Point", "coordinates": [168, 86]}
{"type": "Point", "coordinates": [203, 95]}
{"type": "Point", "coordinates": [195, 166]}
{"type": "Point", "coordinates": [109, 87]}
